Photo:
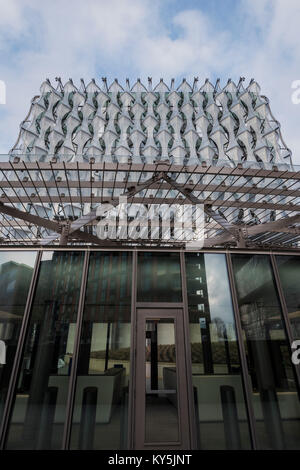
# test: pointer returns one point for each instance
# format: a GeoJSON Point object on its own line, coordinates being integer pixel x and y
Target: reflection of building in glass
{"type": "Point", "coordinates": [14, 280]}
{"type": "Point", "coordinates": [199, 307]}
{"type": "Point", "coordinates": [149, 342]}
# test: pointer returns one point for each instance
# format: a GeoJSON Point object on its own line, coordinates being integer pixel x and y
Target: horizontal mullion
{"type": "Point", "coordinates": [121, 185]}
{"type": "Point", "coordinates": [161, 166]}
{"type": "Point", "coordinates": [143, 200]}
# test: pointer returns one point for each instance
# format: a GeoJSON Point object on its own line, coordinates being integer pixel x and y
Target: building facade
{"type": "Point", "coordinates": [124, 322]}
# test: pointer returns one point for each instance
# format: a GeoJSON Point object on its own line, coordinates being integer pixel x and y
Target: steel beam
{"type": "Point", "coordinates": [200, 169]}
{"type": "Point", "coordinates": [63, 199]}
{"type": "Point", "coordinates": [33, 219]}
{"type": "Point", "coordinates": [160, 179]}
{"type": "Point", "coordinates": [220, 188]}
{"type": "Point", "coordinates": [92, 215]}
{"type": "Point", "coordinates": [275, 226]}
{"type": "Point", "coordinates": [207, 208]}
{"type": "Point", "coordinates": [49, 224]}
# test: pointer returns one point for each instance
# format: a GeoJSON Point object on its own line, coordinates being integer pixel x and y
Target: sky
{"type": "Point", "coordinates": [159, 38]}
{"type": "Point", "coordinates": [220, 305]}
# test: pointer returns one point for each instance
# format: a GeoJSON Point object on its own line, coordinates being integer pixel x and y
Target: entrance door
{"type": "Point", "coordinates": [161, 406]}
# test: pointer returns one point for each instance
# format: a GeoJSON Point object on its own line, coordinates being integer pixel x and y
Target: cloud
{"type": "Point", "coordinates": [196, 48]}
{"type": "Point", "coordinates": [220, 305]}
{"type": "Point", "coordinates": [273, 58]}
{"type": "Point", "coordinates": [59, 38]}
{"type": "Point", "coordinates": [10, 19]}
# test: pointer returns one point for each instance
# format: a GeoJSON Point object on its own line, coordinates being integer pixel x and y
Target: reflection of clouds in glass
{"type": "Point", "coordinates": [21, 257]}
{"type": "Point", "coordinates": [218, 287]}
{"type": "Point", "coordinates": [47, 255]}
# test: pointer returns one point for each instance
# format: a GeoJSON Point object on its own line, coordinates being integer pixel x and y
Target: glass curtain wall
{"type": "Point", "coordinates": [220, 409]}
{"type": "Point", "coordinates": [289, 273]}
{"type": "Point", "coordinates": [274, 391]}
{"type": "Point", "coordinates": [16, 269]}
{"type": "Point", "coordinates": [158, 277]}
{"type": "Point", "coordinates": [100, 416]}
{"type": "Point", "coordinates": [39, 410]}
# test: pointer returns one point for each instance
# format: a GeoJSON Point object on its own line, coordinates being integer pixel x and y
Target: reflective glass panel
{"type": "Point", "coordinates": [220, 410]}
{"type": "Point", "coordinates": [275, 397]}
{"type": "Point", "coordinates": [39, 410]}
{"type": "Point", "coordinates": [16, 268]}
{"type": "Point", "coordinates": [161, 417]}
{"type": "Point", "coordinates": [289, 272]}
{"type": "Point", "coordinates": [158, 278]}
{"type": "Point", "coordinates": [100, 417]}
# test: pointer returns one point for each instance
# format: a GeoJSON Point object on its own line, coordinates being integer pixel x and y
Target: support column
{"type": "Point", "coordinates": [64, 234]}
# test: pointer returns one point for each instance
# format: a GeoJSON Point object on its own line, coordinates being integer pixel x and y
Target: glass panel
{"type": "Point", "coordinates": [159, 277]}
{"type": "Point", "coordinates": [16, 268]}
{"type": "Point", "coordinates": [38, 416]}
{"type": "Point", "coordinates": [161, 416]}
{"type": "Point", "coordinates": [101, 399]}
{"type": "Point", "coordinates": [218, 390]}
{"type": "Point", "coordinates": [289, 272]}
{"type": "Point", "coordinates": [275, 397]}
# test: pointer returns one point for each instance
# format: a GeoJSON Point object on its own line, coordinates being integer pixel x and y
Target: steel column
{"type": "Point", "coordinates": [131, 399]}
{"type": "Point", "coordinates": [188, 356]}
{"type": "Point", "coordinates": [243, 358]}
{"type": "Point", "coordinates": [73, 374]}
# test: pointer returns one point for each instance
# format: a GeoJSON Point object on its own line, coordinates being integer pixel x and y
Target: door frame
{"type": "Point", "coordinates": [139, 385]}
{"type": "Point", "coordinates": [187, 349]}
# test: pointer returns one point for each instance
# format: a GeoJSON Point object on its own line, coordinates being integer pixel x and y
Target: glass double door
{"type": "Point", "coordinates": [161, 403]}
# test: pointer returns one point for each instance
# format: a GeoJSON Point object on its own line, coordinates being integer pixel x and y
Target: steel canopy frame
{"type": "Point", "coordinates": [279, 192]}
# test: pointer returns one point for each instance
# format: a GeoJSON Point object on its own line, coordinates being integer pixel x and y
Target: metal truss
{"type": "Point", "coordinates": [57, 202]}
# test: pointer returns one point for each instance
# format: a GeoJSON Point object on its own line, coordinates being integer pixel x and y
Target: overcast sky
{"type": "Point", "coordinates": [157, 38]}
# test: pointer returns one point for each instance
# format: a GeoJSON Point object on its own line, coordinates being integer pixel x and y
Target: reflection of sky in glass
{"type": "Point", "coordinates": [47, 255]}
{"type": "Point", "coordinates": [218, 287]}
{"type": "Point", "coordinates": [21, 257]}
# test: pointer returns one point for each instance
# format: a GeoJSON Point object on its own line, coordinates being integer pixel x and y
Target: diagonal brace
{"type": "Point", "coordinates": [92, 215]}
{"type": "Point", "coordinates": [207, 208]}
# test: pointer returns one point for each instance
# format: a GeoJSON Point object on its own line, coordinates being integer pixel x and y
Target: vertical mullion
{"type": "Point", "coordinates": [285, 313]}
{"type": "Point", "coordinates": [242, 352]}
{"type": "Point", "coordinates": [73, 373]}
{"type": "Point", "coordinates": [188, 355]}
{"type": "Point", "coordinates": [19, 352]}
{"type": "Point", "coordinates": [132, 378]}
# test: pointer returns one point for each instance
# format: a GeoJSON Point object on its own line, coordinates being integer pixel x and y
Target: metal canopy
{"type": "Point", "coordinates": [167, 153]}
{"type": "Point", "coordinates": [46, 202]}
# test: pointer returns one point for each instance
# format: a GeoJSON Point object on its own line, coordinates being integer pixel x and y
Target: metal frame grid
{"type": "Point", "coordinates": [53, 202]}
